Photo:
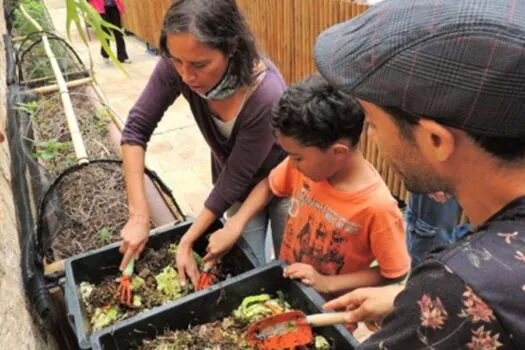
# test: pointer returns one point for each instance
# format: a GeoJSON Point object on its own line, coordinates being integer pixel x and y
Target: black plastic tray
{"type": "Point", "coordinates": [93, 266]}
{"type": "Point", "coordinates": [219, 302]}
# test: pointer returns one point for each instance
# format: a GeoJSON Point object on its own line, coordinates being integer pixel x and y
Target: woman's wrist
{"type": "Point", "coordinates": [139, 217]}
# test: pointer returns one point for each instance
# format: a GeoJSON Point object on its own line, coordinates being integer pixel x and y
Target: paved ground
{"type": "Point", "coordinates": [177, 150]}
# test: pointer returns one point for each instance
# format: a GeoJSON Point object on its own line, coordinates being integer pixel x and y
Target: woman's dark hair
{"type": "Point", "coordinates": [315, 113]}
{"type": "Point", "coordinates": [218, 24]}
{"type": "Point", "coordinates": [507, 149]}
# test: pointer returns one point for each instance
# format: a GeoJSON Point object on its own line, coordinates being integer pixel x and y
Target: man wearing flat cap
{"type": "Point", "coordinates": [442, 84]}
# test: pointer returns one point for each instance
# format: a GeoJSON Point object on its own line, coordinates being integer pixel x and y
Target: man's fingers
{"type": "Point", "coordinates": [307, 281]}
{"type": "Point", "coordinates": [358, 315]}
{"type": "Point", "coordinates": [351, 298]}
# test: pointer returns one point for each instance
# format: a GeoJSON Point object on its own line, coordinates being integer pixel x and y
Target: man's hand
{"type": "Point", "coordinates": [367, 304]}
{"type": "Point", "coordinates": [440, 197]}
{"type": "Point", "coordinates": [221, 241]}
{"type": "Point", "coordinates": [134, 236]}
{"type": "Point", "coordinates": [308, 275]}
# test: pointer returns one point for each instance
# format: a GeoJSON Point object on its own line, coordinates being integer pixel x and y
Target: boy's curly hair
{"type": "Point", "coordinates": [316, 114]}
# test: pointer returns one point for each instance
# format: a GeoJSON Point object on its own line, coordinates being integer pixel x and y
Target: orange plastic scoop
{"type": "Point", "coordinates": [289, 329]}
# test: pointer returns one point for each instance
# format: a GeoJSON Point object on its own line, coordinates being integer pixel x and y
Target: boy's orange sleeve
{"type": "Point", "coordinates": [281, 179]}
{"type": "Point", "coordinates": [388, 242]}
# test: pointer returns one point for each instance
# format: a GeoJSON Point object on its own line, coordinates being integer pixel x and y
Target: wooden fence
{"type": "Point", "coordinates": [285, 31]}
{"type": "Point", "coordinates": [144, 18]}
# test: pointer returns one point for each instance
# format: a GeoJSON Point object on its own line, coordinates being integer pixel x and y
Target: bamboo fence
{"type": "Point", "coordinates": [285, 31]}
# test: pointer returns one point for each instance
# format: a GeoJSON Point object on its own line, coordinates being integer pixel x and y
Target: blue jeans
{"type": "Point", "coordinates": [431, 224]}
{"type": "Point", "coordinates": [269, 221]}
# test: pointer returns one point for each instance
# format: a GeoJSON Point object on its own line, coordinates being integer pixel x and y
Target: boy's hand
{"type": "Point", "coordinates": [221, 241]}
{"type": "Point", "coordinates": [308, 275]}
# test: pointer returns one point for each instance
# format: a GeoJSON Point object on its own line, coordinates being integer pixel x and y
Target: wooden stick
{"type": "Point", "coordinates": [54, 87]}
{"type": "Point", "coordinates": [76, 136]}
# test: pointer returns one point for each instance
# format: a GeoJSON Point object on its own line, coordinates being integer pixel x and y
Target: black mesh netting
{"type": "Point", "coordinates": [34, 67]}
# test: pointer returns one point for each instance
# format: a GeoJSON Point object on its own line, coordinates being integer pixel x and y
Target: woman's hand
{"type": "Point", "coordinates": [367, 304]}
{"type": "Point", "coordinates": [221, 241]}
{"type": "Point", "coordinates": [186, 264]}
{"type": "Point", "coordinates": [134, 236]}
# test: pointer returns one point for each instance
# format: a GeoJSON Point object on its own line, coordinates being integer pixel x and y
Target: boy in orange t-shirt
{"type": "Point", "coordinates": [342, 216]}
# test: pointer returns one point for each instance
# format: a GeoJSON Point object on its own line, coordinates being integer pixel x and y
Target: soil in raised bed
{"type": "Point", "coordinates": [89, 207]}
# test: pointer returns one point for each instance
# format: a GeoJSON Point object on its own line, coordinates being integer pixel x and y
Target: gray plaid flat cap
{"type": "Point", "coordinates": [459, 62]}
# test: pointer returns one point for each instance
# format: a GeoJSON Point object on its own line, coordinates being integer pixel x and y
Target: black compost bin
{"type": "Point", "coordinates": [219, 302]}
{"type": "Point", "coordinates": [95, 265]}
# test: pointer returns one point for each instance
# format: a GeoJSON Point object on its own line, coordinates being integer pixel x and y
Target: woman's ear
{"type": "Point", "coordinates": [435, 140]}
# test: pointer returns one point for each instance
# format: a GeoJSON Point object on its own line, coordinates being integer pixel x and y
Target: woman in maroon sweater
{"type": "Point", "coordinates": [210, 57]}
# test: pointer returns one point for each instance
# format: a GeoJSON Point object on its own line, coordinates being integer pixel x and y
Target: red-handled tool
{"type": "Point", "coordinates": [124, 294]}
{"type": "Point", "coordinates": [289, 329]}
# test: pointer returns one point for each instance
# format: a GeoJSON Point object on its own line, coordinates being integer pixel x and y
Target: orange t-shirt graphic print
{"type": "Point", "coordinates": [338, 232]}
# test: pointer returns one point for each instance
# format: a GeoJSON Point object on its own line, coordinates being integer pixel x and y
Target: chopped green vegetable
{"type": "Point", "coordinates": [321, 343]}
{"type": "Point", "coordinates": [256, 307]}
{"type": "Point", "coordinates": [137, 283]}
{"type": "Point", "coordinates": [103, 318]}
{"type": "Point", "coordinates": [86, 289]}
{"type": "Point", "coordinates": [137, 300]}
{"type": "Point", "coordinates": [168, 283]}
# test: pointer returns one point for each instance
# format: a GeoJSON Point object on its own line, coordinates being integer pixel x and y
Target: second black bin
{"type": "Point", "coordinates": [217, 303]}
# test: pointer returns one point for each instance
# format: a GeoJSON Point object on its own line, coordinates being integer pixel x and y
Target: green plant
{"type": "Point", "coordinates": [49, 149]}
{"type": "Point", "coordinates": [37, 10]}
{"type": "Point", "coordinates": [103, 118]}
{"type": "Point", "coordinates": [105, 235]}
{"type": "Point", "coordinates": [29, 107]}
{"type": "Point", "coordinates": [80, 9]}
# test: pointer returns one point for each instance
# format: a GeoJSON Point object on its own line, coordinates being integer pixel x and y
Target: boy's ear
{"type": "Point", "coordinates": [340, 149]}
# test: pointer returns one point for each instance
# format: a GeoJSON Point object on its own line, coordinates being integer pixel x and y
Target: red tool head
{"type": "Point", "coordinates": [283, 331]}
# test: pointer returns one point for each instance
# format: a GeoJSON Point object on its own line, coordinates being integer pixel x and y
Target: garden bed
{"type": "Point", "coordinates": [88, 207]}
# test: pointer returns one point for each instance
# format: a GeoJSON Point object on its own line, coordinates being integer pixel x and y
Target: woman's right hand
{"type": "Point", "coordinates": [134, 236]}
{"type": "Point", "coordinates": [186, 264]}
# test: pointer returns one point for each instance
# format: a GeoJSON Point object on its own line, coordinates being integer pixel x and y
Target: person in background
{"type": "Point", "coordinates": [432, 221]}
{"type": "Point", "coordinates": [442, 86]}
{"type": "Point", "coordinates": [110, 11]}
{"type": "Point", "coordinates": [342, 215]}
{"type": "Point", "coordinates": [209, 56]}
